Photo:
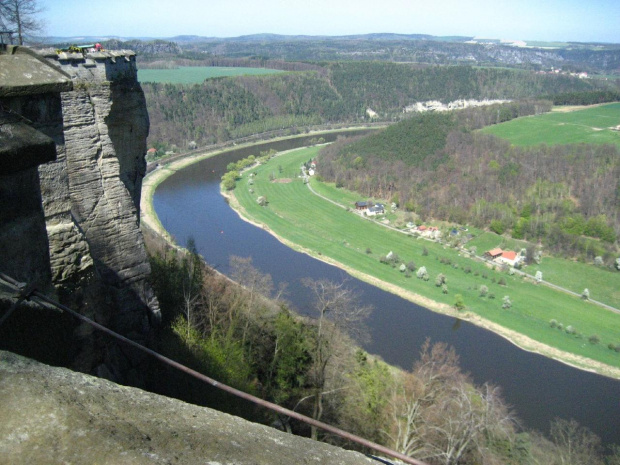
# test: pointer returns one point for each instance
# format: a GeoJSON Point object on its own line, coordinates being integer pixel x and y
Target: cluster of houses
{"type": "Point", "coordinates": [505, 257]}
{"type": "Point", "coordinates": [430, 232]}
{"type": "Point", "coordinates": [581, 75]}
{"type": "Point", "coordinates": [369, 208]}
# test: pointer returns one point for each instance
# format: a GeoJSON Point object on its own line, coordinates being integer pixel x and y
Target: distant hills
{"type": "Point", "coordinates": [268, 37]}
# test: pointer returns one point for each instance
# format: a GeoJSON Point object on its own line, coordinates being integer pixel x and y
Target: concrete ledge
{"type": "Point", "coordinates": [53, 415]}
{"type": "Point", "coordinates": [24, 72]}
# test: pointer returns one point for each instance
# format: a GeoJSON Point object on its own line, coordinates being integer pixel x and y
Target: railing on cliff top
{"type": "Point", "coordinates": [24, 292]}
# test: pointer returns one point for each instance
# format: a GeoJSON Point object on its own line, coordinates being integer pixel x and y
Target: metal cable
{"type": "Point", "coordinates": [263, 403]}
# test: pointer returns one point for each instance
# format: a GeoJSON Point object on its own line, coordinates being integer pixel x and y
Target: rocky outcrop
{"type": "Point", "coordinates": [435, 105]}
{"type": "Point", "coordinates": [52, 415]}
{"type": "Point", "coordinates": [86, 194]}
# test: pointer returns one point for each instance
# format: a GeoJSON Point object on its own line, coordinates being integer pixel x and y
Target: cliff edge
{"type": "Point", "coordinates": [52, 415]}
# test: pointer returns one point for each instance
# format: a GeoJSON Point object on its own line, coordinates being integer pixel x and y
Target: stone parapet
{"type": "Point", "coordinates": [95, 66]}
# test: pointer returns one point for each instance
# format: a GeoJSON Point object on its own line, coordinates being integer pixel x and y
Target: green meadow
{"type": "Point", "coordinates": [329, 231]}
{"type": "Point", "coordinates": [197, 74]}
{"type": "Point", "coordinates": [591, 126]}
{"type": "Point", "coordinates": [602, 282]}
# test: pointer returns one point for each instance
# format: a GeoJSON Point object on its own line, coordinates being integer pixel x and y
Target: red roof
{"type": "Point", "coordinates": [495, 252]}
{"type": "Point", "coordinates": [151, 150]}
{"type": "Point", "coordinates": [509, 255]}
{"type": "Point", "coordinates": [422, 228]}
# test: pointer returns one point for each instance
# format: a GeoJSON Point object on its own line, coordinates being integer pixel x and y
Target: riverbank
{"type": "Point", "coordinates": [524, 342]}
{"type": "Point", "coordinates": [520, 340]}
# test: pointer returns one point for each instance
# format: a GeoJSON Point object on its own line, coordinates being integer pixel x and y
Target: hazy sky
{"type": "Point", "coordinates": [562, 20]}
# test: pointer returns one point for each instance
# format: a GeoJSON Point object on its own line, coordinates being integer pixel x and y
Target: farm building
{"type": "Point", "coordinates": [378, 209]}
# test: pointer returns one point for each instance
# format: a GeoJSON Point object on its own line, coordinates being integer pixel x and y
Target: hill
{"type": "Point", "coordinates": [565, 196]}
{"type": "Point", "coordinates": [221, 109]}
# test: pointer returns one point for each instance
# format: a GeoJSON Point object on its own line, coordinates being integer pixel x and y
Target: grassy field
{"type": "Point", "coordinates": [591, 125]}
{"type": "Point", "coordinates": [196, 74]}
{"type": "Point", "coordinates": [326, 230]}
{"type": "Point", "coordinates": [603, 283]}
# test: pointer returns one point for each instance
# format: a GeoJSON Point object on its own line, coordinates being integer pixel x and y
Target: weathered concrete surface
{"type": "Point", "coordinates": [24, 72]}
{"type": "Point", "coordinates": [52, 415]}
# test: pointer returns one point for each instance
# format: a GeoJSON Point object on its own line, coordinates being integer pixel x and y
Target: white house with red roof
{"type": "Point", "coordinates": [506, 257]}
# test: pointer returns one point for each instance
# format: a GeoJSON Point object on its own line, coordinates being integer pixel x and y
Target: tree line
{"type": "Point", "coordinates": [247, 336]}
{"type": "Point", "coordinates": [400, 49]}
{"type": "Point", "coordinates": [220, 109]}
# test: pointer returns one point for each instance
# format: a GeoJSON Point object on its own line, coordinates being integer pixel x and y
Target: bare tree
{"type": "Point", "coordinates": [257, 286]}
{"type": "Point", "coordinates": [575, 444]}
{"type": "Point", "coordinates": [338, 311]}
{"type": "Point", "coordinates": [436, 414]}
{"type": "Point", "coordinates": [21, 16]}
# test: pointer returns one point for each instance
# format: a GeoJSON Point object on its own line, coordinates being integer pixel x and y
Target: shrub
{"type": "Point", "coordinates": [459, 303]}
{"type": "Point", "coordinates": [570, 330]}
{"type": "Point", "coordinates": [483, 290]}
{"type": "Point", "coordinates": [368, 251]}
{"type": "Point", "coordinates": [411, 266]}
{"type": "Point", "coordinates": [491, 296]}
{"type": "Point", "coordinates": [553, 323]}
{"type": "Point", "coordinates": [506, 303]}
{"type": "Point", "coordinates": [594, 339]}
{"type": "Point", "coordinates": [440, 279]}
{"type": "Point", "coordinates": [560, 326]}
{"type": "Point", "coordinates": [421, 273]}
{"type": "Point", "coordinates": [585, 295]}
{"type": "Point", "coordinates": [424, 252]}
{"type": "Point", "coordinates": [538, 276]}
{"type": "Point", "coordinates": [444, 288]}
{"type": "Point", "coordinates": [501, 282]}
{"type": "Point", "coordinates": [467, 269]}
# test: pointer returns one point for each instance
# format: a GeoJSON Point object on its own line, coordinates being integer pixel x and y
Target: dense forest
{"type": "Point", "coordinates": [566, 197]}
{"type": "Point", "coordinates": [247, 336]}
{"type": "Point", "coordinates": [228, 108]}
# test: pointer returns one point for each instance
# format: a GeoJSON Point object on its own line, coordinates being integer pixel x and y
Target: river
{"type": "Point", "coordinates": [537, 388]}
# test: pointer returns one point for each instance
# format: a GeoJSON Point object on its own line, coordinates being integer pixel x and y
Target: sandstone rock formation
{"type": "Point", "coordinates": [52, 415]}
{"type": "Point", "coordinates": [89, 108]}
{"type": "Point", "coordinates": [91, 197]}
{"type": "Point", "coordinates": [435, 105]}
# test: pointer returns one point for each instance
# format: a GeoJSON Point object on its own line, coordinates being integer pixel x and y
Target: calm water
{"type": "Point", "coordinates": [539, 389]}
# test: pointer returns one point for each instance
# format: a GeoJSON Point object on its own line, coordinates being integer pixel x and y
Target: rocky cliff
{"type": "Point", "coordinates": [90, 196]}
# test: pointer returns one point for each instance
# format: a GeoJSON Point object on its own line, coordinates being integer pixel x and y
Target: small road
{"type": "Point", "coordinates": [477, 257]}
